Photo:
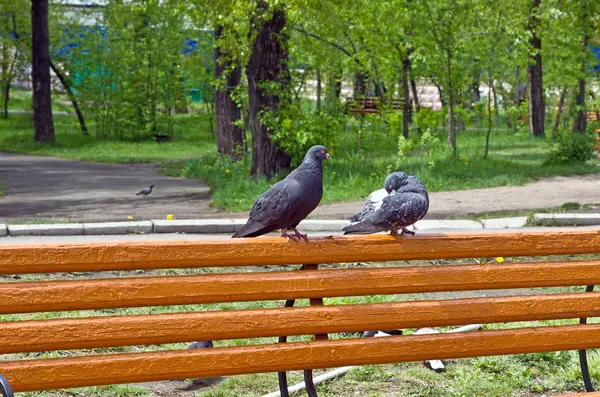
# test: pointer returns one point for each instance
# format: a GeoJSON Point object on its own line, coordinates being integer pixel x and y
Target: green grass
{"type": "Point", "coordinates": [352, 174]}
{"type": "Point", "coordinates": [20, 99]}
{"type": "Point", "coordinates": [191, 140]}
{"type": "Point", "coordinates": [524, 375]}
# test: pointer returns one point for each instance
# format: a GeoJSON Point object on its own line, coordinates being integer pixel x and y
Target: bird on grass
{"type": "Point", "coordinates": [392, 182]}
{"type": "Point", "coordinates": [405, 205]}
{"type": "Point", "coordinates": [146, 191]}
{"type": "Point", "coordinates": [290, 200]}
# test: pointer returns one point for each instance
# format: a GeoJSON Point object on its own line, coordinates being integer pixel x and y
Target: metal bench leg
{"type": "Point", "coordinates": [282, 376]}
{"type": "Point", "coordinates": [5, 388]}
{"type": "Point", "coordinates": [583, 361]}
{"type": "Point", "coordinates": [308, 373]}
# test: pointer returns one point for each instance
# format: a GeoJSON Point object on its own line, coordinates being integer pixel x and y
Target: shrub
{"type": "Point", "coordinates": [571, 147]}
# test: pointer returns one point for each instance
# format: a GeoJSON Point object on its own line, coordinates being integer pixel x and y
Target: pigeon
{"type": "Point", "coordinates": [375, 199]}
{"type": "Point", "coordinates": [145, 191]}
{"type": "Point", "coordinates": [203, 344]}
{"type": "Point", "coordinates": [405, 205]}
{"type": "Point", "coordinates": [290, 200]}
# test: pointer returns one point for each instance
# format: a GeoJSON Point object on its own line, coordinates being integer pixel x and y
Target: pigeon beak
{"type": "Point", "coordinates": [327, 156]}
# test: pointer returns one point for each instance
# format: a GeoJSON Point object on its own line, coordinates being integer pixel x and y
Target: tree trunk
{"type": "Point", "coordinates": [267, 64]}
{"type": "Point", "coordinates": [319, 89]}
{"type": "Point", "coordinates": [405, 90]}
{"type": "Point", "coordinates": [413, 83]}
{"type": "Point", "coordinates": [72, 97]}
{"type": "Point", "coordinates": [40, 73]}
{"type": "Point", "coordinates": [230, 140]}
{"type": "Point", "coordinates": [440, 92]}
{"type": "Point", "coordinates": [360, 85]}
{"type": "Point", "coordinates": [561, 105]}
{"type": "Point", "coordinates": [476, 100]}
{"type": "Point", "coordinates": [451, 119]}
{"type": "Point", "coordinates": [496, 105]}
{"type": "Point", "coordinates": [580, 124]}
{"type": "Point", "coordinates": [536, 88]}
{"type": "Point", "coordinates": [489, 131]}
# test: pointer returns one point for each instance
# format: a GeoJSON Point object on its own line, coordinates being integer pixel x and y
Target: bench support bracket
{"type": "Point", "coordinates": [308, 373]}
{"type": "Point", "coordinates": [5, 388]}
{"type": "Point", "coordinates": [583, 361]}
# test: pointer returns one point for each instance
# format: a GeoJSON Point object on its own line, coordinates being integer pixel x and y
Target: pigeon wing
{"type": "Point", "coordinates": [270, 211]}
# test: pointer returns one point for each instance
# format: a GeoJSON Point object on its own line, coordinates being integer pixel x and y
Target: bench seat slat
{"type": "Point", "coordinates": [24, 297]}
{"type": "Point", "coordinates": [98, 332]}
{"type": "Point", "coordinates": [132, 255]}
{"type": "Point", "coordinates": [171, 365]}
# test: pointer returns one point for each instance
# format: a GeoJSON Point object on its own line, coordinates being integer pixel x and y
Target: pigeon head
{"type": "Point", "coordinates": [394, 181]}
{"type": "Point", "coordinates": [317, 152]}
{"type": "Point", "coordinates": [151, 186]}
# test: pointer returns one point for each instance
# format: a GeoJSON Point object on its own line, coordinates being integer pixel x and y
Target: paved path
{"type": "Point", "coordinates": [50, 188]}
{"type": "Point", "coordinates": [546, 193]}
{"type": "Point", "coordinates": [56, 189]}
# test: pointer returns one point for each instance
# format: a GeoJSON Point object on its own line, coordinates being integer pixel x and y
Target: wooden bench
{"type": "Point", "coordinates": [372, 105]}
{"type": "Point", "coordinates": [30, 373]}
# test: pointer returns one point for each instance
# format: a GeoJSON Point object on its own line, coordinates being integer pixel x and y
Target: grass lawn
{"type": "Point", "coordinates": [191, 140]}
{"type": "Point", "coordinates": [524, 375]}
{"type": "Point", "coordinates": [20, 99]}
{"type": "Point", "coordinates": [514, 159]}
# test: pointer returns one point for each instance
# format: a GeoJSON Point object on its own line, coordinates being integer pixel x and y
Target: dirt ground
{"type": "Point", "coordinates": [50, 188]}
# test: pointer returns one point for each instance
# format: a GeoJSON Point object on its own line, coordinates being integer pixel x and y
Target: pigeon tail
{"type": "Point", "coordinates": [364, 227]}
{"type": "Point", "coordinates": [252, 230]}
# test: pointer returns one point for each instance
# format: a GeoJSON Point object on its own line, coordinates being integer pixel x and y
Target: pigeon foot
{"type": "Point", "coordinates": [289, 236]}
{"type": "Point", "coordinates": [406, 231]}
{"type": "Point", "coordinates": [300, 236]}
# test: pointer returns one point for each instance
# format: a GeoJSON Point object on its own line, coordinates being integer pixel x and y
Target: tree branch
{"type": "Point", "coordinates": [331, 43]}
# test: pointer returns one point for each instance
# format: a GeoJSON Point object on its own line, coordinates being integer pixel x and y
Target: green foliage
{"type": "Point", "coordinates": [429, 118]}
{"type": "Point", "coordinates": [300, 130]}
{"type": "Point", "coordinates": [394, 123]}
{"type": "Point", "coordinates": [571, 147]}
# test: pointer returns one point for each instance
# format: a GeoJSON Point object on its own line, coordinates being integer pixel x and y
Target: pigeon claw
{"type": "Point", "coordinates": [289, 236]}
{"type": "Point", "coordinates": [406, 231]}
{"type": "Point", "coordinates": [300, 236]}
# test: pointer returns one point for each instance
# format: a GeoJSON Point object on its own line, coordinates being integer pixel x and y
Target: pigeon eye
{"type": "Point", "coordinates": [322, 151]}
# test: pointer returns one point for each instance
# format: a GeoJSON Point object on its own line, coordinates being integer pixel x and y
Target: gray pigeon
{"type": "Point", "coordinates": [290, 200]}
{"type": "Point", "coordinates": [145, 191]}
{"type": "Point", "coordinates": [403, 207]}
{"type": "Point", "coordinates": [392, 182]}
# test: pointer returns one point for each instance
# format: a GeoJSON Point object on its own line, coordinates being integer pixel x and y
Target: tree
{"type": "Point", "coordinates": [268, 79]}
{"type": "Point", "coordinates": [40, 73]}
{"type": "Point", "coordinates": [537, 109]}
{"type": "Point", "coordinates": [228, 75]}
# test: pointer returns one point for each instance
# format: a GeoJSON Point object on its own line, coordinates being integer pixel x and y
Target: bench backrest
{"type": "Point", "coordinates": [42, 335]}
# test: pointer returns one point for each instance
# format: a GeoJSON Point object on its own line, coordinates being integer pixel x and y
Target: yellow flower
{"type": "Point", "coordinates": [170, 217]}
{"type": "Point", "coordinates": [499, 259]}
{"type": "Point", "coordinates": [129, 217]}
{"type": "Point", "coordinates": [227, 171]}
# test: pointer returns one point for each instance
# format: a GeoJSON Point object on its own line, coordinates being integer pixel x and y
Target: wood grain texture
{"type": "Point", "coordinates": [73, 257]}
{"type": "Point", "coordinates": [171, 365]}
{"type": "Point", "coordinates": [23, 297]}
{"type": "Point", "coordinates": [98, 332]}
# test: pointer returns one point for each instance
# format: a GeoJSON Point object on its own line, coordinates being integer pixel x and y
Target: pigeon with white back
{"type": "Point", "coordinates": [404, 206]}
{"type": "Point", "coordinates": [373, 202]}
{"type": "Point", "coordinates": [290, 200]}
